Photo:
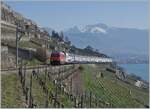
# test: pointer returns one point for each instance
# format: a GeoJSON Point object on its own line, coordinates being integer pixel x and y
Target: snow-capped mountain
{"type": "Point", "coordinates": [98, 28]}
{"type": "Point", "coordinates": [113, 41]}
{"type": "Point", "coordinates": [110, 40]}
{"type": "Point", "coordinates": [74, 29]}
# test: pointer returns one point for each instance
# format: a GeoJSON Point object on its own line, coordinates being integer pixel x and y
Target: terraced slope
{"type": "Point", "coordinates": [98, 91]}
{"type": "Point", "coordinates": [12, 93]}
{"type": "Point", "coordinates": [115, 92]}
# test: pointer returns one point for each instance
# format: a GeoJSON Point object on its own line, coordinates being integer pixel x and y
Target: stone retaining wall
{"type": "Point", "coordinates": [8, 56]}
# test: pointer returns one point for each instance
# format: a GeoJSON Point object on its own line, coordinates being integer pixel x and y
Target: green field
{"type": "Point", "coordinates": [112, 90]}
{"type": "Point", "coordinates": [12, 93]}
{"type": "Point", "coordinates": [106, 89]}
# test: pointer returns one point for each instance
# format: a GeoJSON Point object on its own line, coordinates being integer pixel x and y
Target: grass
{"type": "Point", "coordinates": [63, 99]}
{"type": "Point", "coordinates": [11, 93]}
{"type": "Point", "coordinates": [12, 96]}
{"type": "Point", "coordinates": [28, 44]}
{"type": "Point", "coordinates": [32, 62]}
{"type": "Point", "coordinates": [40, 97]}
{"type": "Point", "coordinates": [107, 89]}
{"type": "Point", "coordinates": [113, 91]}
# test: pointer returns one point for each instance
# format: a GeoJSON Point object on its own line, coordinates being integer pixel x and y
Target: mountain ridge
{"type": "Point", "coordinates": [110, 40]}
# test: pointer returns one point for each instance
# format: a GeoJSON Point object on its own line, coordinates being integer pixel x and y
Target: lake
{"type": "Point", "coordinates": [141, 70]}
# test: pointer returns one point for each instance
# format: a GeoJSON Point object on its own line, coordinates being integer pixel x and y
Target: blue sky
{"type": "Point", "coordinates": [62, 15]}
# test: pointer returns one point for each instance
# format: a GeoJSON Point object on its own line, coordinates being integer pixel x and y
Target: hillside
{"type": "Point", "coordinates": [106, 37]}
{"type": "Point", "coordinates": [105, 91]}
{"type": "Point", "coordinates": [34, 83]}
{"type": "Point", "coordinates": [114, 91]}
{"type": "Point", "coordinates": [114, 41]}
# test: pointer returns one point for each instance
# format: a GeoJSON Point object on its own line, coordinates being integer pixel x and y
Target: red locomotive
{"type": "Point", "coordinates": [57, 58]}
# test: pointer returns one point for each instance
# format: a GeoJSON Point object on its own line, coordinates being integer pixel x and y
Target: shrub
{"type": "Point", "coordinates": [81, 67]}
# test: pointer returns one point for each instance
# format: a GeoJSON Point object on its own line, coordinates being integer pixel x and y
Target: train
{"type": "Point", "coordinates": [60, 57]}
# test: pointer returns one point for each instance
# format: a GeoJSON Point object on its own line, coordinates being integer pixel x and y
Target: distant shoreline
{"type": "Point", "coordinates": [132, 63]}
{"type": "Point", "coordinates": [141, 70]}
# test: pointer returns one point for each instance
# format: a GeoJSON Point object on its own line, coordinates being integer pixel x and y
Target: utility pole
{"type": "Point", "coordinates": [17, 31]}
{"type": "Point", "coordinates": [20, 30]}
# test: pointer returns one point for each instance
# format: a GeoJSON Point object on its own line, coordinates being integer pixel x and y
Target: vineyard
{"type": "Point", "coordinates": [53, 87]}
{"type": "Point", "coordinates": [115, 92]}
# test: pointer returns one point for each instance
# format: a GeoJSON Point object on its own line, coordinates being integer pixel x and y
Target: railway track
{"type": "Point", "coordinates": [27, 68]}
{"type": "Point", "coordinates": [30, 68]}
{"type": "Point", "coordinates": [43, 66]}
{"type": "Point", "coordinates": [33, 67]}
